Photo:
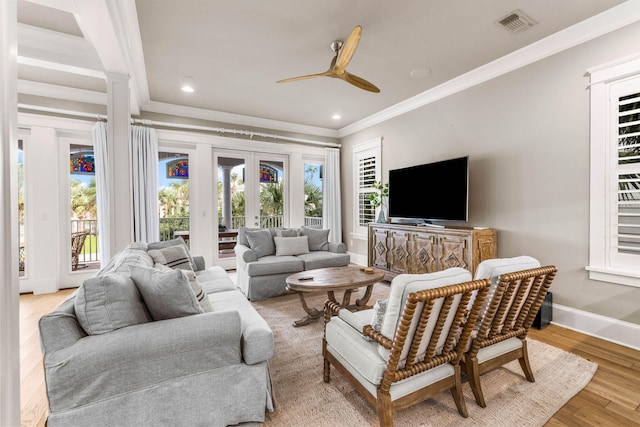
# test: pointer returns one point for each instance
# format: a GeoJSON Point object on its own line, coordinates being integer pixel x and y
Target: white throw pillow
{"type": "Point", "coordinates": [291, 245]}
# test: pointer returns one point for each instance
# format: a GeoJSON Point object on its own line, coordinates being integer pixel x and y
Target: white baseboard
{"type": "Point", "coordinates": [358, 259]}
{"type": "Point", "coordinates": [606, 328]}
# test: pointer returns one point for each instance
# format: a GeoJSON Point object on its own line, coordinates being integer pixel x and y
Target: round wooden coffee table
{"type": "Point", "coordinates": [329, 280]}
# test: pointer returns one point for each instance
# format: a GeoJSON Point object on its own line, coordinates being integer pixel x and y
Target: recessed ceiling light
{"type": "Point", "coordinates": [336, 116]}
{"type": "Point", "coordinates": [420, 73]}
{"type": "Point", "coordinates": [186, 84]}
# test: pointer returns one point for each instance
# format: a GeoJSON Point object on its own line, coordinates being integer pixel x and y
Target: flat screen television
{"type": "Point", "coordinates": [433, 191]}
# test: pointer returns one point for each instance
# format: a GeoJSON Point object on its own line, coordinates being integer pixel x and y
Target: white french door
{"type": "Point", "coordinates": [250, 190]}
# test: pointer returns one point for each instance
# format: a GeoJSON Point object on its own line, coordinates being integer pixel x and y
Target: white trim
{"type": "Point", "coordinates": [61, 92]}
{"type": "Point", "coordinates": [358, 258]}
{"type": "Point", "coordinates": [595, 325]}
{"type": "Point", "coordinates": [50, 65]}
{"type": "Point", "coordinates": [238, 119]}
{"type": "Point", "coordinates": [610, 275]}
{"type": "Point", "coordinates": [596, 26]}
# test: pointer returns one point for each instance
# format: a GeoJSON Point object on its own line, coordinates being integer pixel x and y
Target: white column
{"type": "Point", "coordinates": [47, 214]}
{"type": "Point", "coordinates": [9, 288]}
{"type": "Point", "coordinates": [226, 196]}
{"type": "Point", "coordinates": [120, 199]}
{"type": "Point", "coordinates": [296, 189]}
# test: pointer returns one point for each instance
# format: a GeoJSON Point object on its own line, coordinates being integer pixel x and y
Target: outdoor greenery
{"type": "Point", "coordinates": [83, 200]}
{"type": "Point", "coordinates": [380, 193]}
{"type": "Point", "coordinates": [312, 194]}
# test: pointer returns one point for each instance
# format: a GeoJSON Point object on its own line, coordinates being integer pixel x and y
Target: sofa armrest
{"type": "Point", "coordinates": [245, 253]}
{"type": "Point", "coordinates": [141, 356]}
{"type": "Point", "coordinates": [199, 261]}
{"type": "Point", "coordinates": [60, 328]}
{"type": "Point", "coordinates": [338, 248]}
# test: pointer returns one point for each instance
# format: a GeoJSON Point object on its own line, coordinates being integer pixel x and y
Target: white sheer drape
{"type": "Point", "coordinates": [99, 137]}
{"type": "Point", "coordinates": [331, 201]}
{"type": "Point", "coordinates": [143, 150]}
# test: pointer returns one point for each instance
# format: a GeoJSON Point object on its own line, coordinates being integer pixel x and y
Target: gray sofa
{"type": "Point", "coordinates": [266, 257]}
{"type": "Point", "coordinates": [206, 369]}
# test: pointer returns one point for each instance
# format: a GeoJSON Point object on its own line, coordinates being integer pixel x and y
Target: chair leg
{"type": "Point", "coordinates": [385, 409]}
{"type": "Point", "coordinates": [327, 371]}
{"type": "Point", "coordinates": [524, 363]}
{"type": "Point", "coordinates": [473, 374]}
{"type": "Point", "coordinates": [456, 392]}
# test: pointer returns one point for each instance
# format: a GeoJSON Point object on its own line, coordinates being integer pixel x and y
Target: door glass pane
{"type": "Point", "coordinates": [313, 195]}
{"type": "Point", "coordinates": [173, 195]}
{"type": "Point", "coordinates": [84, 215]}
{"type": "Point", "coordinates": [21, 249]}
{"type": "Point", "coordinates": [231, 203]}
{"type": "Point", "coordinates": [271, 183]}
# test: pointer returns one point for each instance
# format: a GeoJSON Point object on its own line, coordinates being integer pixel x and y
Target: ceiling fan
{"type": "Point", "coordinates": [337, 69]}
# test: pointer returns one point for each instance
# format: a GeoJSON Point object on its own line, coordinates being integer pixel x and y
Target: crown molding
{"type": "Point", "coordinates": [596, 26]}
{"type": "Point", "coordinates": [236, 119]}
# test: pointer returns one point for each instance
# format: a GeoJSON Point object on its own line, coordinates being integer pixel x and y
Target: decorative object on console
{"type": "Point", "coordinates": [378, 199]}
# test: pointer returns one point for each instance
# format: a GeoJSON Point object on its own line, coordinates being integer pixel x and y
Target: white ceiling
{"type": "Point", "coordinates": [233, 51]}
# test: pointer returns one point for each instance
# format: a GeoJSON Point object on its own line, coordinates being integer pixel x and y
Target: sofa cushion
{"type": "Point", "coordinates": [172, 256]}
{"type": "Point", "coordinates": [215, 279]}
{"type": "Point", "coordinates": [173, 242]}
{"type": "Point", "coordinates": [318, 239]}
{"type": "Point", "coordinates": [133, 254]}
{"type": "Point", "coordinates": [287, 232]}
{"type": "Point", "coordinates": [201, 295]}
{"type": "Point", "coordinates": [167, 293]}
{"type": "Point", "coordinates": [275, 265]}
{"type": "Point", "coordinates": [291, 245]}
{"type": "Point", "coordinates": [323, 259]}
{"type": "Point", "coordinates": [261, 242]}
{"type": "Point", "coordinates": [109, 302]}
{"type": "Point", "coordinates": [242, 234]}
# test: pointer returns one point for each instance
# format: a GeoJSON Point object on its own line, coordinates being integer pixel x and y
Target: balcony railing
{"type": "Point", "coordinates": [89, 251]}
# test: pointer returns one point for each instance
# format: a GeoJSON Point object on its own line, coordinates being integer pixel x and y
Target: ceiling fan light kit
{"type": "Point", "coordinates": [343, 53]}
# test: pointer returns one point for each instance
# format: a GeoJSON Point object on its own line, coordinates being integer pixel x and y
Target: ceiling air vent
{"type": "Point", "coordinates": [517, 21]}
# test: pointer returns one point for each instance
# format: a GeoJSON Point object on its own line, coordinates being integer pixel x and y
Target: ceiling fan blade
{"type": "Point", "coordinates": [348, 49]}
{"type": "Point", "coordinates": [308, 76]}
{"type": "Point", "coordinates": [358, 82]}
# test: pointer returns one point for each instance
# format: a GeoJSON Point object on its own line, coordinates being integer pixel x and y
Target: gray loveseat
{"type": "Point", "coordinates": [265, 257]}
{"type": "Point", "coordinates": [130, 369]}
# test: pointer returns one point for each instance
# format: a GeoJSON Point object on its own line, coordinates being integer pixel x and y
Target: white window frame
{"type": "Point", "coordinates": [605, 263]}
{"type": "Point", "coordinates": [372, 148]}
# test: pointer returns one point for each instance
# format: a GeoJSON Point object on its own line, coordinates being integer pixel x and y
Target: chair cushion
{"type": "Point", "coordinates": [405, 284]}
{"type": "Point", "coordinates": [324, 259]}
{"type": "Point", "coordinates": [109, 302]}
{"type": "Point", "coordinates": [261, 242]}
{"type": "Point", "coordinates": [318, 239]}
{"type": "Point", "coordinates": [498, 349]}
{"type": "Point", "coordinates": [274, 265]}
{"type": "Point", "coordinates": [291, 245]}
{"type": "Point", "coordinates": [492, 269]}
{"type": "Point", "coordinates": [166, 293]}
{"type": "Point", "coordinates": [362, 360]}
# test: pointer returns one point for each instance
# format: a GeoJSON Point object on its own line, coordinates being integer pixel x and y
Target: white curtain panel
{"type": "Point", "coordinates": [331, 199]}
{"type": "Point", "coordinates": [99, 137]}
{"type": "Point", "coordinates": [143, 149]}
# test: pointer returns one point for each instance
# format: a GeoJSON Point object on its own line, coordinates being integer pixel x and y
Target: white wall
{"type": "Point", "coordinates": [527, 135]}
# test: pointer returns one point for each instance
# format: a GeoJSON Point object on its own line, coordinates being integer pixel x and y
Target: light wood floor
{"type": "Point", "coordinates": [612, 398]}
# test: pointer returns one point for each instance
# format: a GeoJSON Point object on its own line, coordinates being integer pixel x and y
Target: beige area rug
{"type": "Point", "coordinates": [303, 399]}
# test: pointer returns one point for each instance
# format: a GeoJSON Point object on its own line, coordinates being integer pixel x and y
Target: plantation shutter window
{"type": "Point", "coordinates": [628, 173]}
{"type": "Point", "coordinates": [366, 178]}
{"type": "Point", "coordinates": [366, 170]}
{"type": "Point", "coordinates": [614, 235]}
